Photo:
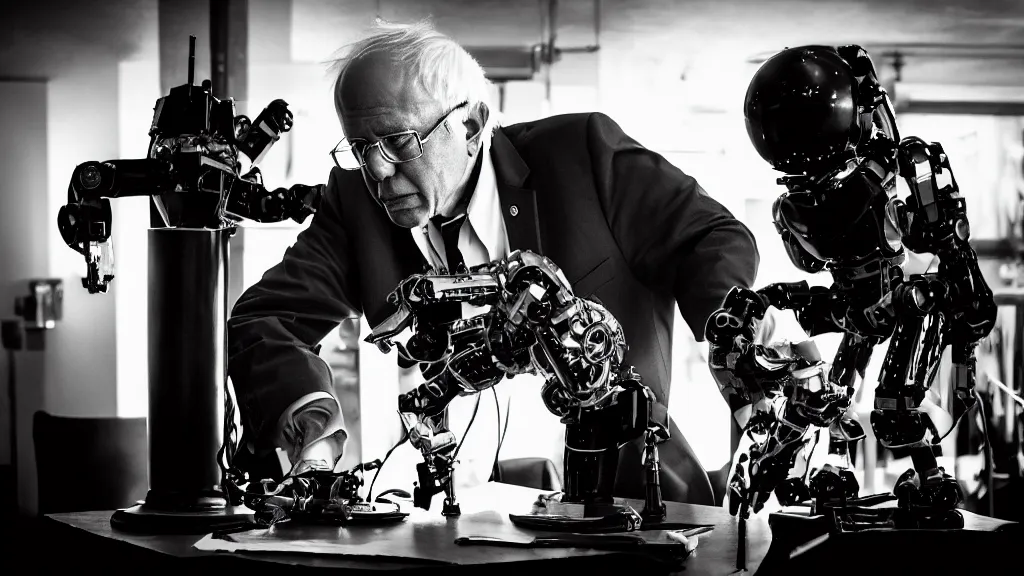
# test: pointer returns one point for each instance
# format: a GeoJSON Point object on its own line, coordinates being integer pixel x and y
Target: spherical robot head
{"type": "Point", "coordinates": [801, 109]}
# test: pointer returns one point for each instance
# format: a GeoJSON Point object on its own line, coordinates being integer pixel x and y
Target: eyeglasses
{"type": "Point", "coordinates": [351, 154]}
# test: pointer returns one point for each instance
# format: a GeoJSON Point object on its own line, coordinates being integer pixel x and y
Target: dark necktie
{"type": "Point", "coordinates": [451, 311]}
{"type": "Point", "coordinates": [450, 235]}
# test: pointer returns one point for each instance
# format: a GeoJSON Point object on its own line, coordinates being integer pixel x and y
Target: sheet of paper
{"type": "Point", "coordinates": [425, 535]}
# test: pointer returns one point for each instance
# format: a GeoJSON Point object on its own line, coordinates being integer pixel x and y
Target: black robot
{"type": "Point", "coordinates": [819, 115]}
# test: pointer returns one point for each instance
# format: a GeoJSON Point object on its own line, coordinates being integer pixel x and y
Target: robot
{"type": "Point", "coordinates": [819, 115]}
{"type": "Point", "coordinates": [193, 171]}
{"type": "Point", "coordinates": [319, 494]}
{"type": "Point", "coordinates": [530, 323]}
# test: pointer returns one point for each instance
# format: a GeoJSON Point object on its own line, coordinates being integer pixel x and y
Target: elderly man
{"type": "Point", "coordinates": [426, 177]}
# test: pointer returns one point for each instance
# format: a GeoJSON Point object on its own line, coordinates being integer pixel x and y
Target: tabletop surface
{"type": "Point", "coordinates": [428, 538]}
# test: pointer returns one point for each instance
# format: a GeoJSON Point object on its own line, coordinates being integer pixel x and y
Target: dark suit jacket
{"type": "Point", "coordinates": [624, 225]}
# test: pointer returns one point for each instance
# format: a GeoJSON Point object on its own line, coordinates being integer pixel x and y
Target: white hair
{"type": "Point", "coordinates": [448, 73]}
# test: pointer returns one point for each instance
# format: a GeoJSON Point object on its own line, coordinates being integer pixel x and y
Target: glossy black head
{"type": "Point", "coordinates": [802, 109]}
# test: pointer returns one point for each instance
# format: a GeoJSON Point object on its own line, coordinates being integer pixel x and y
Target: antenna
{"type": "Point", "coordinates": [191, 64]}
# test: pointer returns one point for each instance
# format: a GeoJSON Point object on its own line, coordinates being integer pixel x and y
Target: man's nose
{"type": "Point", "coordinates": [378, 168]}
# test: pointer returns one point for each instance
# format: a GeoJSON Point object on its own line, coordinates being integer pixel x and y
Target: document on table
{"type": "Point", "coordinates": [439, 546]}
{"type": "Point", "coordinates": [210, 543]}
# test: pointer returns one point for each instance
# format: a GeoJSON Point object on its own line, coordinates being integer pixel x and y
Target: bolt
{"type": "Point", "coordinates": [90, 177]}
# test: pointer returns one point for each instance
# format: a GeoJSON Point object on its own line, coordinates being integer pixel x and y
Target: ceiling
{"type": "Point", "coordinates": [952, 32]}
{"type": "Point", "coordinates": [966, 43]}
{"type": "Point", "coordinates": [942, 41]}
{"type": "Point", "coordinates": [44, 38]}
{"type": "Point", "coordinates": [963, 42]}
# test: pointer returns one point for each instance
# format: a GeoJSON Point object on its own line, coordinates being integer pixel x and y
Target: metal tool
{"type": "Point", "coordinates": [594, 541]}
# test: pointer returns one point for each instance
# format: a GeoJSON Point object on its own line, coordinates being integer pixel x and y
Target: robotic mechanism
{"type": "Point", "coordinates": [319, 495]}
{"type": "Point", "coordinates": [530, 323]}
{"type": "Point", "coordinates": [819, 115]}
{"type": "Point", "coordinates": [192, 171]}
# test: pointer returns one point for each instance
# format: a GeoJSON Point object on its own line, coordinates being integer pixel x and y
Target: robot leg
{"type": "Point", "coordinates": [835, 481]}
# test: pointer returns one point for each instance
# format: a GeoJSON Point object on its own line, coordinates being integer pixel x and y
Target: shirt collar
{"type": "Point", "coordinates": [483, 214]}
{"type": "Point", "coordinates": [484, 211]}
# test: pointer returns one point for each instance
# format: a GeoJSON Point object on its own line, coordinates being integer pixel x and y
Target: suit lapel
{"type": "Point", "coordinates": [518, 200]}
{"type": "Point", "coordinates": [391, 265]}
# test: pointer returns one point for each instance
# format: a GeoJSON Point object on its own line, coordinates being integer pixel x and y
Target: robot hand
{"type": "Point", "coordinates": [255, 138]}
{"type": "Point", "coordinates": [777, 393]}
{"type": "Point", "coordinates": [318, 493]}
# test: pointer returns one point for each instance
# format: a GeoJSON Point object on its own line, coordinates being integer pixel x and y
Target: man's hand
{"type": "Point", "coordinates": [314, 435]}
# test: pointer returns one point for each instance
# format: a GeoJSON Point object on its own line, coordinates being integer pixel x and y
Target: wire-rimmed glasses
{"type": "Point", "coordinates": [404, 146]}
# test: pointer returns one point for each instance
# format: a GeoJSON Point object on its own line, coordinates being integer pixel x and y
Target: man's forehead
{"type": "Point", "coordinates": [379, 94]}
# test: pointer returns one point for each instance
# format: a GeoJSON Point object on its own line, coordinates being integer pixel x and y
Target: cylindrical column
{"type": "Point", "coordinates": [187, 313]}
{"type": "Point", "coordinates": [591, 459]}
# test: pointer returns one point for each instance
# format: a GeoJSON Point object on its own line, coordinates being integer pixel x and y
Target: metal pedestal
{"type": "Point", "coordinates": [187, 376]}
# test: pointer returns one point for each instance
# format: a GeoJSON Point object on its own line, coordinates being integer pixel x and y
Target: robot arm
{"type": "Point", "coordinates": [453, 352]}
{"type": "Point", "coordinates": [935, 221]}
{"type": "Point", "coordinates": [777, 392]}
{"type": "Point", "coordinates": [953, 306]}
{"type": "Point", "coordinates": [85, 221]}
{"type": "Point", "coordinates": [532, 323]}
{"type": "Point", "coordinates": [192, 172]}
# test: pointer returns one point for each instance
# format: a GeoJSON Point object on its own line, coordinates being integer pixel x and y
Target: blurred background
{"type": "Point", "coordinates": [78, 81]}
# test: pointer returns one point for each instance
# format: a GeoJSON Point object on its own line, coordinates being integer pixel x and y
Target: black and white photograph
{"type": "Point", "coordinates": [453, 287]}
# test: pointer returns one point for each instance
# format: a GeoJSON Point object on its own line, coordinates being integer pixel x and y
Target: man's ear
{"type": "Point", "coordinates": [475, 123]}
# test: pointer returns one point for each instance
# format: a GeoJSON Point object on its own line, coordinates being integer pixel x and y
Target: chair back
{"type": "Point", "coordinates": [90, 463]}
{"type": "Point", "coordinates": [536, 473]}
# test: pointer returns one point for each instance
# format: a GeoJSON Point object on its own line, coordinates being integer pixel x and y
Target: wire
{"type": "Point", "coordinates": [476, 408]}
{"type": "Point", "coordinates": [369, 493]}
{"type": "Point", "coordinates": [497, 410]}
{"type": "Point", "coordinates": [504, 431]}
{"type": "Point", "coordinates": [987, 447]}
{"type": "Point", "coordinates": [501, 431]}
{"type": "Point", "coordinates": [230, 476]}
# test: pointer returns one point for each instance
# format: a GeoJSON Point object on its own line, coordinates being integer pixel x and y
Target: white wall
{"type": "Point", "coordinates": [81, 377]}
{"type": "Point", "coordinates": [92, 55]}
{"type": "Point", "coordinates": [138, 89]}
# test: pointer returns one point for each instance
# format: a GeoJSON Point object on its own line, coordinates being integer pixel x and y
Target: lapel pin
{"type": "Point", "coordinates": [514, 210]}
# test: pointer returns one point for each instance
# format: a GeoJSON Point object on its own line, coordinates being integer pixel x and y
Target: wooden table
{"type": "Point", "coordinates": [424, 543]}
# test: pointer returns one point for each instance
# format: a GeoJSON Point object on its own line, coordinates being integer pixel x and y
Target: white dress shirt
{"type": "Point", "coordinates": [532, 430]}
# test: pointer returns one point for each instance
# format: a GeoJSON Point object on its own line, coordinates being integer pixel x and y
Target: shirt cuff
{"type": "Point", "coordinates": [329, 445]}
{"type": "Point", "coordinates": [288, 416]}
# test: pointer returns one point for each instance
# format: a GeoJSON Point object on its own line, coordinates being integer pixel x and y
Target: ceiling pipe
{"type": "Point", "coordinates": [928, 51]}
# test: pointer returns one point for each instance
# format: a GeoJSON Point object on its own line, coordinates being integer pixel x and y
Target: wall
{"type": "Point", "coordinates": [90, 56]}
{"type": "Point", "coordinates": [23, 244]}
